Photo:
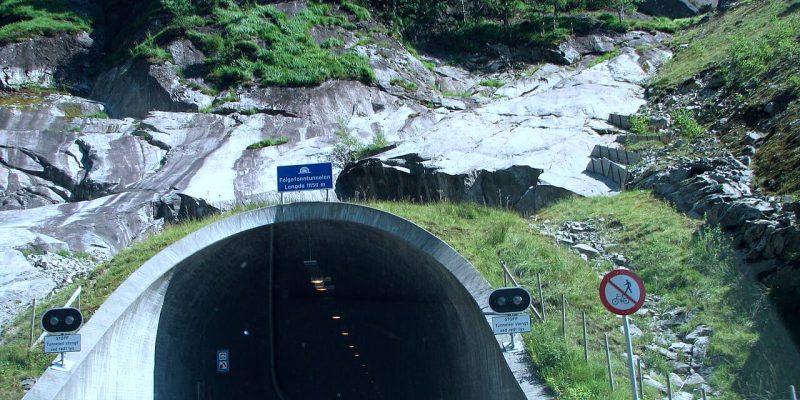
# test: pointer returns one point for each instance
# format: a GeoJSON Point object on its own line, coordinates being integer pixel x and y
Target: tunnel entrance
{"type": "Point", "coordinates": [314, 309]}
{"type": "Point", "coordinates": [310, 301]}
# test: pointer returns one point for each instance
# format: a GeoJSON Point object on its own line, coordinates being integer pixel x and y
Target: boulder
{"type": "Point", "coordinates": [46, 61]}
{"type": "Point", "coordinates": [177, 207]}
{"type": "Point", "coordinates": [407, 178]}
{"type": "Point", "coordinates": [587, 250]}
{"type": "Point", "coordinates": [677, 8]}
{"type": "Point", "coordinates": [698, 332]}
{"type": "Point", "coordinates": [694, 380]}
{"type": "Point", "coordinates": [137, 87]}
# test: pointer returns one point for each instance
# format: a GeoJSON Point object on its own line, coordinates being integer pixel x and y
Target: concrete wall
{"type": "Point", "coordinates": [155, 335]}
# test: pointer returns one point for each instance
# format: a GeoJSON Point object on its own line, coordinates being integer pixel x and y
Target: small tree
{"type": "Point", "coordinates": [623, 6]}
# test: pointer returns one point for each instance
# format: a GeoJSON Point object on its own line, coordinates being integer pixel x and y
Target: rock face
{"type": "Point", "coordinates": [541, 122]}
{"type": "Point", "coordinates": [407, 178]}
{"type": "Point", "coordinates": [137, 87]}
{"type": "Point", "coordinates": [45, 61]}
{"type": "Point", "coordinates": [717, 188]}
{"type": "Point", "coordinates": [70, 181]}
{"type": "Point", "coordinates": [677, 8]}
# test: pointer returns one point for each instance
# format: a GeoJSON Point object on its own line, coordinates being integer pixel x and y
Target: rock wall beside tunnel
{"type": "Point", "coordinates": [407, 178]}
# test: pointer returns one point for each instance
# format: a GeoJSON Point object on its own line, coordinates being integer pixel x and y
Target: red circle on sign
{"type": "Point", "coordinates": [607, 281]}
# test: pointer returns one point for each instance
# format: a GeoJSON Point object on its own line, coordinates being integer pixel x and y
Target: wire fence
{"type": "Point", "coordinates": [667, 391]}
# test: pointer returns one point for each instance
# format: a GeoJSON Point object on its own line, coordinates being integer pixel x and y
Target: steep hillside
{"type": "Point", "coordinates": [118, 119]}
{"type": "Point", "coordinates": [740, 70]}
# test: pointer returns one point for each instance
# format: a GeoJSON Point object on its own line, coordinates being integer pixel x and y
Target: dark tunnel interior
{"type": "Point", "coordinates": [323, 310]}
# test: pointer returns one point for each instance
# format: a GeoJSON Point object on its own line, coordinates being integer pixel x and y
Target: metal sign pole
{"type": "Point", "coordinates": [629, 345]}
{"type": "Point", "coordinates": [792, 392]}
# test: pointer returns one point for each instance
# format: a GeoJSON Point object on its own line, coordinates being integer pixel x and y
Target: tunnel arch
{"type": "Point", "coordinates": [242, 277]}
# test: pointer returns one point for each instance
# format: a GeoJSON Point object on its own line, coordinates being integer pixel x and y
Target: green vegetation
{"type": "Point", "coordinates": [694, 268]}
{"type": "Point", "coordinates": [494, 83]}
{"type": "Point", "coordinates": [98, 115]}
{"type": "Point", "coordinates": [268, 142]}
{"type": "Point", "coordinates": [685, 124]}
{"type": "Point", "coordinates": [604, 57]}
{"type": "Point", "coordinates": [149, 50]}
{"type": "Point", "coordinates": [463, 95]}
{"type": "Point", "coordinates": [350, 148]}
{"type": "Point", "coordinates": [22, 19]}
{"type": "Point", "coordinates": [361, 13]}
{"type": "Point", "coordinates": [250, 43]}
{"type": "Point", "coordinates": [640, 125]}
{"type": "Point", "coordinates": [331, 43]}
{"type": "Point", "coordinates": [753, 48]}
{"type": "Point", "coordinates": [745, 42]}
{"type": "Point", "coordinates": [410, 86]}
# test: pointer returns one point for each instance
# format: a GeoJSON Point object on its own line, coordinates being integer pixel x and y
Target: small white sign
{"type": "Point", "coordinates": [511, 324]}
{"type": "Point", "coordinates": [62, 344]}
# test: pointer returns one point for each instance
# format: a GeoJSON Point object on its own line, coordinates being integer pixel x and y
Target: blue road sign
{"type": "Point", "coordinates": [223, 361]}
{"type": "Point", "coordinates": [305, 177]}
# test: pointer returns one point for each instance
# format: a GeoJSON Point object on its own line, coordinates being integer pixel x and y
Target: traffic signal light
{"type": "Point", "coordinates": [510, 300]}
{"type": "Point", "coordinates": [62, 320]}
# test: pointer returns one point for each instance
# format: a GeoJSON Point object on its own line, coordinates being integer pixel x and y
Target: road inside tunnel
{"type": "Point", "coordinates": [323, 309]}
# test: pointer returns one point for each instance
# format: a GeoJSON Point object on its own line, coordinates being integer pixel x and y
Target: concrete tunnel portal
{"type": "Point", "coordinates": [311, 300]}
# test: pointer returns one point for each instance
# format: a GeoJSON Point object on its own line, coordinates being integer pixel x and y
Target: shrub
{"type": "Point", "coordinates": [495, 83]}
{"type": "Point", "coordinates": [640, 124]}
{"type": "Point", "coordinates": [410, 86]}
{"type": "Point", "coordinates": [268, 142]}
{"type": "Point", "coordinates": [686, 125]}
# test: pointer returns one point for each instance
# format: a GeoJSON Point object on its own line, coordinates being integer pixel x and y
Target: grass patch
{"type": "Point", "coordinates": [744, 41]}
{"type": "Point", "coordinates": [361, 13]}
{"type": "Point", "coordinates": [463, 95]}
{"type": "Point", "coordinates": [605, 57]}
{"type": "Point", "coordinates": [410, 86]}
{"type": "Point", "coordinates": [331, 43]}
{"type": "Point", "coordinates": [22, 19]}
{"type": "Point", "coordinates": [686, 125]}
{"type": "Point", "coordinates": [98, 115]}
{"type": "Point", "coordinates": [694, 268]}
{"type": "Point", "coordinates": [493, 83]}
{"type": "Point", "coordinates": [640, 125]}
{"type": "Point", "coordinates": [268, 142]}
{"type": "Point", "coordinates": [252, 43]}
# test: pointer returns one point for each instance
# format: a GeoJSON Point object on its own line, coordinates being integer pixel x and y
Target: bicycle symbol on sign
{"type": "Point", "coordinates": [619, 298]}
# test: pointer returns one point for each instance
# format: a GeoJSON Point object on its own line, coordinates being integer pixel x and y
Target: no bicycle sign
{"type": "Point", "coordinates": [622, 292]}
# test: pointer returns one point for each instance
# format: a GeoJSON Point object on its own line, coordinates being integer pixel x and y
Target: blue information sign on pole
{"type": "Point", "coordinates": [305, 177]}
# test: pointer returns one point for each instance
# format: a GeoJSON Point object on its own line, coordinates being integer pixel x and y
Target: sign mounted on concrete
{"type": "Point", "coordinates": [305, 177]}
{"type": "Point", "coordinates": [62, 344]}
{"type": "Point", "coordinates": [223, 361]}
{"type": "Point", "coordinates": [622, 292]}
{"type": "Point", "coordinates": [511, 324]}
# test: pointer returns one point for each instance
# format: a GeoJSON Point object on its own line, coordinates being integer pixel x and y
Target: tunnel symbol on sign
{"type": "Point", "coordinates": [305, 170]}
{"type": "Point", "coordinates": [223, 366]}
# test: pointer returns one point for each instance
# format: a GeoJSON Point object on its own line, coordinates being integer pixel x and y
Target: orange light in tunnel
{"type": "Point", "coordinates": [345, 333]}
